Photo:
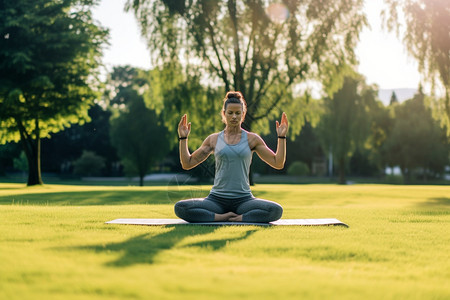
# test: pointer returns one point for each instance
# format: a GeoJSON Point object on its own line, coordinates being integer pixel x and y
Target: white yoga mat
{"type": "Point", "coordinates": [282, 222]}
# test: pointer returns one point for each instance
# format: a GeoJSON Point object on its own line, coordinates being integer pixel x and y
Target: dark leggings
{"type": "Point", "coordinates": [252, 209]}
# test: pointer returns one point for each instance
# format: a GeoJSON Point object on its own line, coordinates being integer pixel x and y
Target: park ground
{"type": "Point", "coordinates": [54, 244]}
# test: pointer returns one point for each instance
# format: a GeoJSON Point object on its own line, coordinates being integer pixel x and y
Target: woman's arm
{"type": "Point", "coordinates": [189, 161]}
{"type": "Point", "coordinates": [275, 160]}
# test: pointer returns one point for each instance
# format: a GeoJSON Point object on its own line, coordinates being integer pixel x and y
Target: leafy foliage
{"type": "Point", "coordinates": [298, 168]}
{"type": "Point", "coordinates": [345, 125]}
{"type": "Point", "coordinates": [64, 147]}
{"type": "Point", "coordinates": [382, 122]}
{"type": "Point", "coordinates": [262, 49]}
{"type": "Point", "coordinates": [136, 131]}
{"type": "Point", "coordinates": [416, 141]}
{"type": "Point", "coordinates": [89, 164]}
{"type": "Point", "coordinates": [172, 94]}
{"type": "Point", "coordinates": [427, 40]}
{"type": "Point", "coordinates": [49, 51]}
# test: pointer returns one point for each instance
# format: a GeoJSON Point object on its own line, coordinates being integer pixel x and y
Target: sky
{"type": "Point", "coordinates": [383, 59]}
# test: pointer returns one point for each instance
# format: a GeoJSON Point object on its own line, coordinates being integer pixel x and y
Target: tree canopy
{"type": "Point", "coordinates": [345, 125]}
{"type": "Point", "coordinates": [416, 142]}
{"type": "Point", "coordinates": [261, 48]}
{"type": "Point", "coordinates": [49, 51]}
{"type": "Point", "coordinates": [136, 131]}
{"type": "Point", "coordinates": [427, 39]}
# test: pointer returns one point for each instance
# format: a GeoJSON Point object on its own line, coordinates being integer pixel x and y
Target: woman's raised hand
{"type": "Point", "coordinates": [283, 127]}
{"type": "Point", "coordinates": [184, 128]}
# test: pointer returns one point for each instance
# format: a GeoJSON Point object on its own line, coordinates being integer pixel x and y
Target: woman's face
{"type": "Point", "coordinates": [233, 114]}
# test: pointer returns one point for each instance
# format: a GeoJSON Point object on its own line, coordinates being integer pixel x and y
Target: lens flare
{"type": "Point", "coordinates": [277, 12]}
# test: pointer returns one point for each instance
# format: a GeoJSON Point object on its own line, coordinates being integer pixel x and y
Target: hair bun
{"type": "Point", "coordinates": [233, 95]}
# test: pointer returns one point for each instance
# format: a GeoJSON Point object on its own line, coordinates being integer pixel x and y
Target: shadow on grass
{"type": "Point", "coordinates": [436, 202]}
{"type": "Point", "coordinates": [143, 249]}
{"type": "Point", "coordinates": [220, 243]}
{"type": "Point", "coordinates": [83, 198]}
{"type": "Point", "coordinates": [109, 197]}
{"type": "Point", "coordinates": [4, 188]}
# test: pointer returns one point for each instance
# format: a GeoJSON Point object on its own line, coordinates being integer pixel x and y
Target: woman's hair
{"type": "Point", "coordinates": [234, 97]}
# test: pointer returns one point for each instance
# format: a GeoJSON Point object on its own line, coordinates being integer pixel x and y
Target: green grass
{"type": "Point", "coordinates": [54, 245]}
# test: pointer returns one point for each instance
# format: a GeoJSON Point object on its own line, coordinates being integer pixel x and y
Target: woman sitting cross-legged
{"type": "Point", "coordinates": [230, 198]}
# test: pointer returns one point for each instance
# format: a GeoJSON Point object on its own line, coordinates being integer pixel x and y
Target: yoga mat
{"type": "Point", "coordinates": [281, 222]}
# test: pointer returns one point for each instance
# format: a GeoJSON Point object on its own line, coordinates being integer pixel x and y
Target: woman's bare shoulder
{"type": "Point", "coordinates": [253, 136]}
{"type": "Point", "coordinates": [211, 140]}
{"type": "Point", "coordinates": [213, 136]}
{"type": "Point", "coordinates": [253, 139]}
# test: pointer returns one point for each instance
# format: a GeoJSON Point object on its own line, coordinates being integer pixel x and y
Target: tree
{"type": "Point", "coordinates": [382, 122]}
{"type": "Point", "coordinates": [171, 94]}
{"type": "Point", "coordinates": [426, 38]}
{"type": "Point", "coordinates": [394, 99]}
{"type": "Point", "coordinates": [49, 53]}
{"type": "Point", "coordinates": [264, 51]}
{"type": "Point", "coordinates": [136, 131]}
{"type": "Point", "coordinates": [307, 147]}
{"type": "Point", "coordinates": [64, 147]}
{"type": "Point", "coordinates": [345, 125]}
{"type": "Point", "coordinates": [89, 164]}
{"type": "Point", "coordinates": [416, 140]}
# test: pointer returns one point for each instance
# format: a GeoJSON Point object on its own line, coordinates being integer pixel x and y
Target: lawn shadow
{"type": "Point", "coordinates": [436, 202]}
{"type": "Point", "coordinates": [143, 248]}
{"type": "Point", "coordinates": [86, 198]}
{"type": "Point", "coordinates": [4, 188]}
{"type": "Point", "coordinates": [220, 243]}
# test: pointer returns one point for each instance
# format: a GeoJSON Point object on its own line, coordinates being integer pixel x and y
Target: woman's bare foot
{"type": "Point", "coordinates": [224, 217]}
{"type": "Point", "coordinates": [237, 218]}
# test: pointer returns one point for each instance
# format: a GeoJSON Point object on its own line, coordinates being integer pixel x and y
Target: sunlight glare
{"type": "Point", "coordinates": [277, 12]}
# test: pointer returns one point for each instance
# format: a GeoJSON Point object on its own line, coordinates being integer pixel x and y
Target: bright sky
{"type": "Point", "coordinates": [383, 58]}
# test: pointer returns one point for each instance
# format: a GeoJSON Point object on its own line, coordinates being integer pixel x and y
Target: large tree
{"type": "Point", "coordinates": [416, 142]}
{"type": "Point", "coordinates": [262, 48]}
{"type": "Point", "coordinates": [49, 51]}
{"type": "Point", "coordinates": [382, 121]}
{"type": "Point", "coordinates": [345, 125]}
{"type": "Point", "coordinates": [427, 39]}
{"type": "Point", "coordinates": [173, 94]}
{"type": "Point", "coordinates": [138, 133]}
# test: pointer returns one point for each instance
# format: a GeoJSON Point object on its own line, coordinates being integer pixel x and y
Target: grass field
{"type": "Point", "coordinates": [54, 245]}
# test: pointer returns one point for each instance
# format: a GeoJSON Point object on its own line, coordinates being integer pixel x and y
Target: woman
{"type": "Point", "coordinates": [230, 198]}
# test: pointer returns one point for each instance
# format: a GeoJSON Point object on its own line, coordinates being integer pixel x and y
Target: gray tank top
{"type": "Point", "coordinates": [232, 168]}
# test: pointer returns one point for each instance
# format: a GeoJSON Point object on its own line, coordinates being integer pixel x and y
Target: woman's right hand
{"type": "Point", "coordinates": [184, 128]}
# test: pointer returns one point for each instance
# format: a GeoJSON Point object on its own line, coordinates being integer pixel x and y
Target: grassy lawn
{"type": "Point", "coordinates": [54, 245]}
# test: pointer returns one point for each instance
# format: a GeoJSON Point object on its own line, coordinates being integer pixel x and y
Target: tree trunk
{"type": "Point", "coordinates": [33, 153]}
{"type": "Point", "coordinates": [425, 175]}
{"type": "Point", "coordinates": [141, 180]}
{"type": "Point", "coordinates": [406, 174]}
{"type": "Point", "coordinates": [342, 170]}
{"type": "Point", "coordinates": [32, 149]}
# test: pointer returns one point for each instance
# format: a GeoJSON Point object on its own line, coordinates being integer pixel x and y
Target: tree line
{"type": "Point", "coordinates": [50, 52]}
{"type": "Point", "coordinates": [353, 127]}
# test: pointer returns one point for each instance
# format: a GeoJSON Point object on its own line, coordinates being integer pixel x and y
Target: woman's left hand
{"type": "Point", "coordinates": [283, 127]}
